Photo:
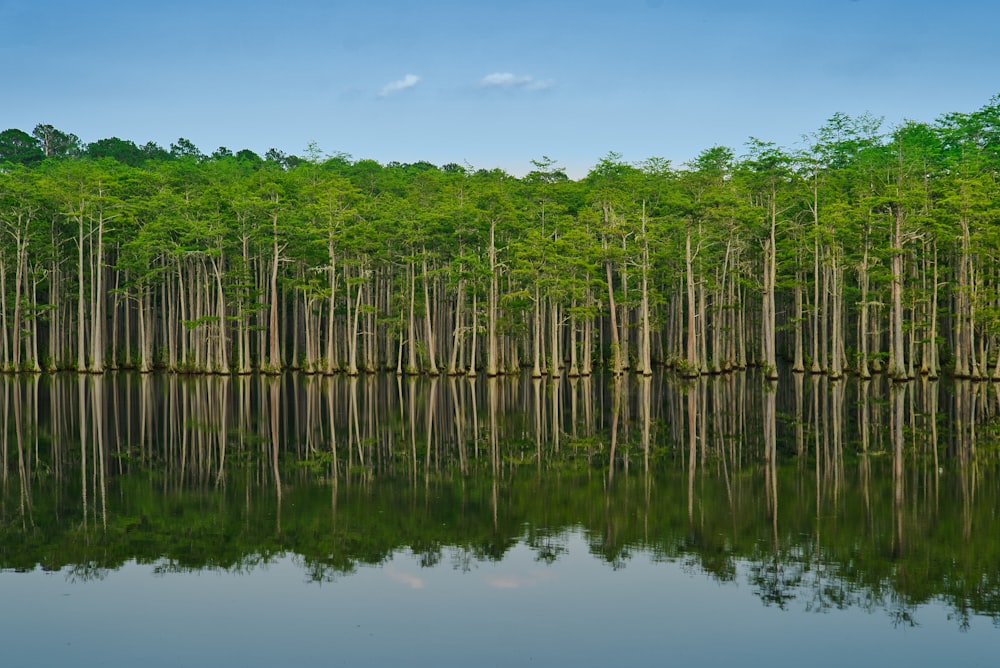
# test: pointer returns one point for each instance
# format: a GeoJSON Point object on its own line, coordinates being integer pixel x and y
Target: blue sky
{"type": "Point", "coordinates": [491, 84]}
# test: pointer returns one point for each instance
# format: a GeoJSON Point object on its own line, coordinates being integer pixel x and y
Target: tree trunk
{"type": "Point", "coordinates": [352, 317]}
{"type": "Point", "coordinates": [536, 329]}
{"type": "Point", "coordinates": [616, 349]}
{"type": "Point", "coordinates": [816, 367]}
{"type": "Point", "coordinates": [411, 368]}
{"type": "Point", "coordinates": [836, 371]}
{"type": "Point", "coordinates": [555, 365]}
{"type": "Point", "coordinates": [897, 370]}
{"type": "Point", "coordinates": [863, 370]}
{"type": "Point", "coordinates": [456, 340]}
{"type": "Point", "coordinates": [22, 252]}
{"type": "Point", "coordinates": [798, 363]}
{"type": "Point", "coordinates": [428, 325]}
{"type": "Point", "coordinates": [645, 358]}
{"type": "Point", "coordinates": [274, 348]}
{"type": "Point", "coordinates": [691, 368]}
{"type": "Point", "coordinates": [97, 305]}
{"type": "Point", "coordinates": [492, 351]}
{"type": "Point", "coordinates": [331, 353]}
{"type": "Point", "coordinates": [770, 269]}
{"type": "Point", "coordinates": [475, 337]}
{"type": "Point", "coordinates": [81, 348]}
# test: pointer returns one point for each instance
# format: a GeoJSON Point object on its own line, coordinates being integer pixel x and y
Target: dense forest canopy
{"type": "Point", "coordinates": [863, 250]}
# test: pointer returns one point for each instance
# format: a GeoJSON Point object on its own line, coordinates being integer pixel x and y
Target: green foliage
{"type": "Point", "coordinates": [19, 147]}
{"type": "Point", "coordinates": [415, 236]}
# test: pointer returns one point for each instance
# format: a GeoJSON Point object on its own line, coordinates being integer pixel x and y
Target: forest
{"type": "Point", "coordinates": [863, 250]}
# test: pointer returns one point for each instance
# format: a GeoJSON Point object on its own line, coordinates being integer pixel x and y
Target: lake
{"type": "Point", "coordinates": [309, 520]}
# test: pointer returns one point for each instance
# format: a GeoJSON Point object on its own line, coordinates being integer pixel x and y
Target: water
{"type": "Point", "coordinates": [307, 520]}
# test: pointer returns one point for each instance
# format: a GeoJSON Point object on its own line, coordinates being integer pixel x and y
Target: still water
{"type": "Point", "coordinates": [380, 521]}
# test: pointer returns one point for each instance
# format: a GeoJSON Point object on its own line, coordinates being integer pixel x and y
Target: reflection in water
{"type": "Point", "coordinates": [836, 493]}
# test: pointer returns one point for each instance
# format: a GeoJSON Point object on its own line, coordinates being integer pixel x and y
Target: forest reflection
{"type": "Point", "coordinates": [833, 493]}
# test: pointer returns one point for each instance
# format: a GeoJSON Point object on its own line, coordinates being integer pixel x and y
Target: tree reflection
{"type": "Point", "coordinates": [828, 494]}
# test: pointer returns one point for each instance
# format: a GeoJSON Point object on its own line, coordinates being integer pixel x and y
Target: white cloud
{"type": "Point", "coordinates": [504, 80]}
{"type": "Point", "coordinates": [543, 84]}
{"type": "Point", "coordinates": [409, 81]}
{"type": "Point", "coordinates": [509, 80]}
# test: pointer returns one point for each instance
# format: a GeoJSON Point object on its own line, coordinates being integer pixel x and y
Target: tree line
{"type": "Point", "coordinates": [864, 250]}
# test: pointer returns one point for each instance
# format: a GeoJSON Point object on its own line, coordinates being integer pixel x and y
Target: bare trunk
{"type": "Point", "coordinates": [863, 370]}
{"type": "Point", "coordinates": [352, 359]}
{"type": "Point", "coordinates": [21, 249]}
{"type": "Point", "coordinates": [456, 340]}
{"type": "Point", "coordinates": [616, 349]}
{"type": "Point", "coordinates": [4, 349]}
{"type": "Point", "coordinates": [554, 353]}
{"type": "Point", "coordinates": [428, 324]}
{"type": "Point", "coordinates": [411, 368]}
{"type": "Point", "coordinates": [274, 348]}
{"type": "Point", "coordinates": [691, 368]}
{"type": "Point", "coordinates": [770, 267]}
{"type": "Point", "coordinates": [492, 352]}
{"type": "Point", "coordinates": [97, 305]}
{"type": "Point", "coordinates": [836, 371]}
{"type": "Point", "coordinates": [81, 348]}
{"type": "Point", "coordinates": [645, 358]}
{"type": "Point", "coordinates": [897, 369]}
{"type": "Point", "coordinates": [331, 354]}
{"type": "Point", "coordinates": [815, 367]}
{"type": "Point", "coordinates": [798, 363]}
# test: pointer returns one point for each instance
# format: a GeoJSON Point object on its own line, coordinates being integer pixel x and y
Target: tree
{"type": "Point", "coordinates": [17, 146]}
{"type": "Point", "coordinates": [55, 143]}
{"type": "Point", "coordinates": [184, 149]}
{"type": "Point", "coordinates": [123, 150]}
{"type": "Point", "coordinates": [906, 197]}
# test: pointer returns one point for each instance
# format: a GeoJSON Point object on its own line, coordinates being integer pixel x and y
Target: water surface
{"type": "Point", "coordinates": [309, 520]}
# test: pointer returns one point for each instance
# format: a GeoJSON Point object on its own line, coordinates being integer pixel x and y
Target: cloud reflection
{"type": "Point", "coordinates": [518, 581]}
{"type": "Point", "coordinates": [414, 581]}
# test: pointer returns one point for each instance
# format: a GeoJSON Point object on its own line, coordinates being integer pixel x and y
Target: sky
{"type": "Point", "coordinates": [489, 84]}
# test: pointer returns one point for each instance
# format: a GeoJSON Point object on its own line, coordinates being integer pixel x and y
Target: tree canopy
{"type": "Point", "coordinates": [868, 249]}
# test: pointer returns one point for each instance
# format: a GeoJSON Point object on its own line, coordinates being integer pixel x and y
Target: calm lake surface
{"type": "Point", "coordinates": [377, 521]}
